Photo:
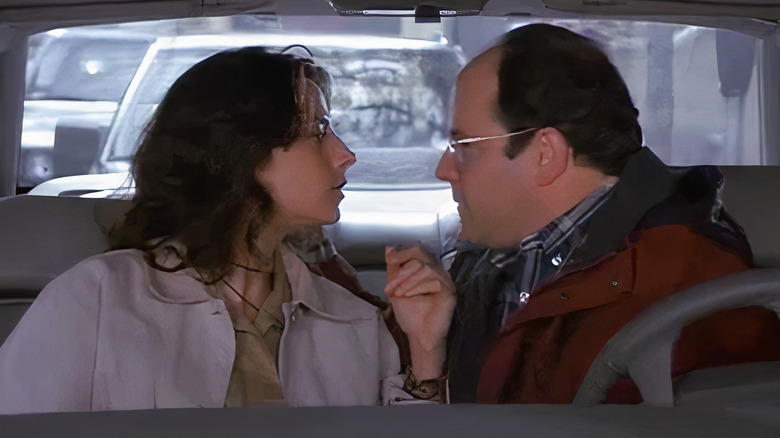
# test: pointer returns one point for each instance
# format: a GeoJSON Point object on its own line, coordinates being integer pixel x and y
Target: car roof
{"type": "Point", "coordinates": [59, 13]}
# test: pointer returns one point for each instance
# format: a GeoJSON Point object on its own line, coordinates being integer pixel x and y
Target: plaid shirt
{"type": "Point", "coordinates": [541, 255]}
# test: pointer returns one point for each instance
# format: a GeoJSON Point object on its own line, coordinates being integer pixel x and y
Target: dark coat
{"type": "Point", "coordinates": [661, 231]}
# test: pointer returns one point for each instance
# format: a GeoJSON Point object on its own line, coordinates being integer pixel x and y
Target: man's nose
{"type": "Point", "coordinates": [446, 170]}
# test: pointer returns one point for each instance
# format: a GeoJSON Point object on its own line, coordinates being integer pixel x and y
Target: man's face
{"type": "Point", "coordinates": [495, 195]}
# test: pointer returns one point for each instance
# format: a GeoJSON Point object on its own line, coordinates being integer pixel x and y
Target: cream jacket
{"type": "Point", "coordinates": [113, 333]}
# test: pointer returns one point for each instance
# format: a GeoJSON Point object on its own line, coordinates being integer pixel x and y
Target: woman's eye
{"type": "Point", "coordinates": [322, 128]}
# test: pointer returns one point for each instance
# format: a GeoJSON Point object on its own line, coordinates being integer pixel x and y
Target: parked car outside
{"type": "Point", "coordinates": [74, 76]}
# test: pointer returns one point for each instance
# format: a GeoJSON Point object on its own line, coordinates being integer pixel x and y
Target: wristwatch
{"type": "Point", "coordinates": [431, 389]}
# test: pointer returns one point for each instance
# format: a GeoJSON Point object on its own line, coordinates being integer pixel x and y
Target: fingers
{"type": "Point", "coordinates": [414, 271]}
{"type": "Point", "coordinates": [396, 275]}
{"type": "Point", "coordinates": [393, 266]}
{"type": "Point", "coordinates": [400, 255]}
{"type": "Point", "coordinates": [427, 286]}
{"type": "Point", "coordinates": [423, 280]}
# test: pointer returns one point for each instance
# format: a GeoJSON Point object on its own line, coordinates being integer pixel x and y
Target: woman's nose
{"type": "Point", "coordinates": [343, 157]}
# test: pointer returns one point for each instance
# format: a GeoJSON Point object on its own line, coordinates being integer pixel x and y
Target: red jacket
{"type": "Point", "coordinates": [545, 349]}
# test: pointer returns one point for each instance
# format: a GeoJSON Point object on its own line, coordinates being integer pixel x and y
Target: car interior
{"type": "Point", "coordinates": [713, 98]}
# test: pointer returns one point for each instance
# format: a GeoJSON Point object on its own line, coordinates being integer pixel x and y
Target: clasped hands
{"type": "Point", "coordinates": [423, 298]}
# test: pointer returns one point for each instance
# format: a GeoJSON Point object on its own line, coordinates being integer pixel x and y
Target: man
{"type": "Point", "coordinates": [570, 228]}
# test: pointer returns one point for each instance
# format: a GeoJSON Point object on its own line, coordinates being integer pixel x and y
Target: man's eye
{"type": "Point", "coordinates": [459, 147]}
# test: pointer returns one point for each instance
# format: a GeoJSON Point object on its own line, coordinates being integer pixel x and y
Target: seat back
{"type": "Point", "coordinates": [751, 195]}
{"type": "Point", "coordinates": [41, 237]}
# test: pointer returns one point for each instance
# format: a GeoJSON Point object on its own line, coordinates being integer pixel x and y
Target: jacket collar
{"type": "Point", "coordinates": [644, 182]}
{"type": "Point", "coordinates": [651, 194]}
{"type": "Point", "coordinates": [322, 295]}
{"type": "Point", "coordinates": [317, 293]}
{"type": "Point", "coordinates": [178, 287]}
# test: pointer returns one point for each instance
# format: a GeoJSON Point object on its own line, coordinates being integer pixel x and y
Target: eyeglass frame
{"type": "Point", "coordinates": [458, 154]}
{"type": "Point", "coordinates": [452, 143]}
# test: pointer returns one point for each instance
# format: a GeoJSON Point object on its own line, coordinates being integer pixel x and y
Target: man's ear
{"type": "Point", "coordinates": [553, 155]}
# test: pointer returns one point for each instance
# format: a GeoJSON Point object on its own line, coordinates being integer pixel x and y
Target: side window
{"type": "Point", "coordinates": [75, 78]}
{"type": "Point", "coordinates": [697, 90]}
{"type": "Point", "coordinates": [85, 68]}
{"type": "Point", "coordinates": [700, 91]}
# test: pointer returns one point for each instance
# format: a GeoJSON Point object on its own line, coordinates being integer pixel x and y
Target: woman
{"type": "Point", "coordinates": [205, 301]}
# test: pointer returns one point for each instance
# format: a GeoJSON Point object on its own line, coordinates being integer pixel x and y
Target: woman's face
{"type": "Point", "coordinates": [305, 179]}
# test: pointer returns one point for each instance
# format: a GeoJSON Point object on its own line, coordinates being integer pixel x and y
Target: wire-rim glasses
{"type": "Point", "coordinates": [452, 143]}
{"type": "Point", "coordinates": [462, 154]}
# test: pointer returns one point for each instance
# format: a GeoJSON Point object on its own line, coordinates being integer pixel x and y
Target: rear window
{"type": "Point", "coordinates": [704, 94]}
{"type": "Point", "coordinates": [391, 99]}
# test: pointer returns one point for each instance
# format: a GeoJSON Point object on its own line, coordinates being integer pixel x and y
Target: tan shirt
{"type": "Point", "coordinates": [254, 379]}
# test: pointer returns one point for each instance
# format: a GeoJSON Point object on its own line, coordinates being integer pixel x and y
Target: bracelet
{"type": "Point", "coordinates": [431, 389]}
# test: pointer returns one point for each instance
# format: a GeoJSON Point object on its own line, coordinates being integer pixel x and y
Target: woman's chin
{"type": "Point", "coordinates": [336, 217]}
{"type": "Point", "coordinates": [329, 219]}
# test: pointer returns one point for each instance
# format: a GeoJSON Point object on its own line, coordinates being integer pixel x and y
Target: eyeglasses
{"type": "Point", "coordinates": [460, 153]}
{"type": "Point", "coordinates": [452, 143]}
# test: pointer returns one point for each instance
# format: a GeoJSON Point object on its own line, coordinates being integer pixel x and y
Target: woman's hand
{"type": "Point", "coordinates": [423, 298]}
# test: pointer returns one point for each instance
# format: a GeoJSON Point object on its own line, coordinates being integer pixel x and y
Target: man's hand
{"type": "Point", "coordinates": [423, 298]}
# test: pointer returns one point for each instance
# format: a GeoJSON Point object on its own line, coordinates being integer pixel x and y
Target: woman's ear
{"type": "Point", "coordinates": [553, 156]}
{"type": "Point", "coordinates": [258, 174]}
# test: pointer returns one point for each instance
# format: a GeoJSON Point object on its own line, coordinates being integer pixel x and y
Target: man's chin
{"type": "Point", "coordinates": [476, 238]}
{"type": "Point", "coordinates": [465, 234]}
{"type": "Point", "coordinates": [470, 233]}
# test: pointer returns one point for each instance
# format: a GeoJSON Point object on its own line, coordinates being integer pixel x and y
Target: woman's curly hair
{"type": "Point", "coordinates": [194, 168]}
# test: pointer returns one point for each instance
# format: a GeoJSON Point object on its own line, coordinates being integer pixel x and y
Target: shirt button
{"type": "Point", "coordinates": [292, 318]}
